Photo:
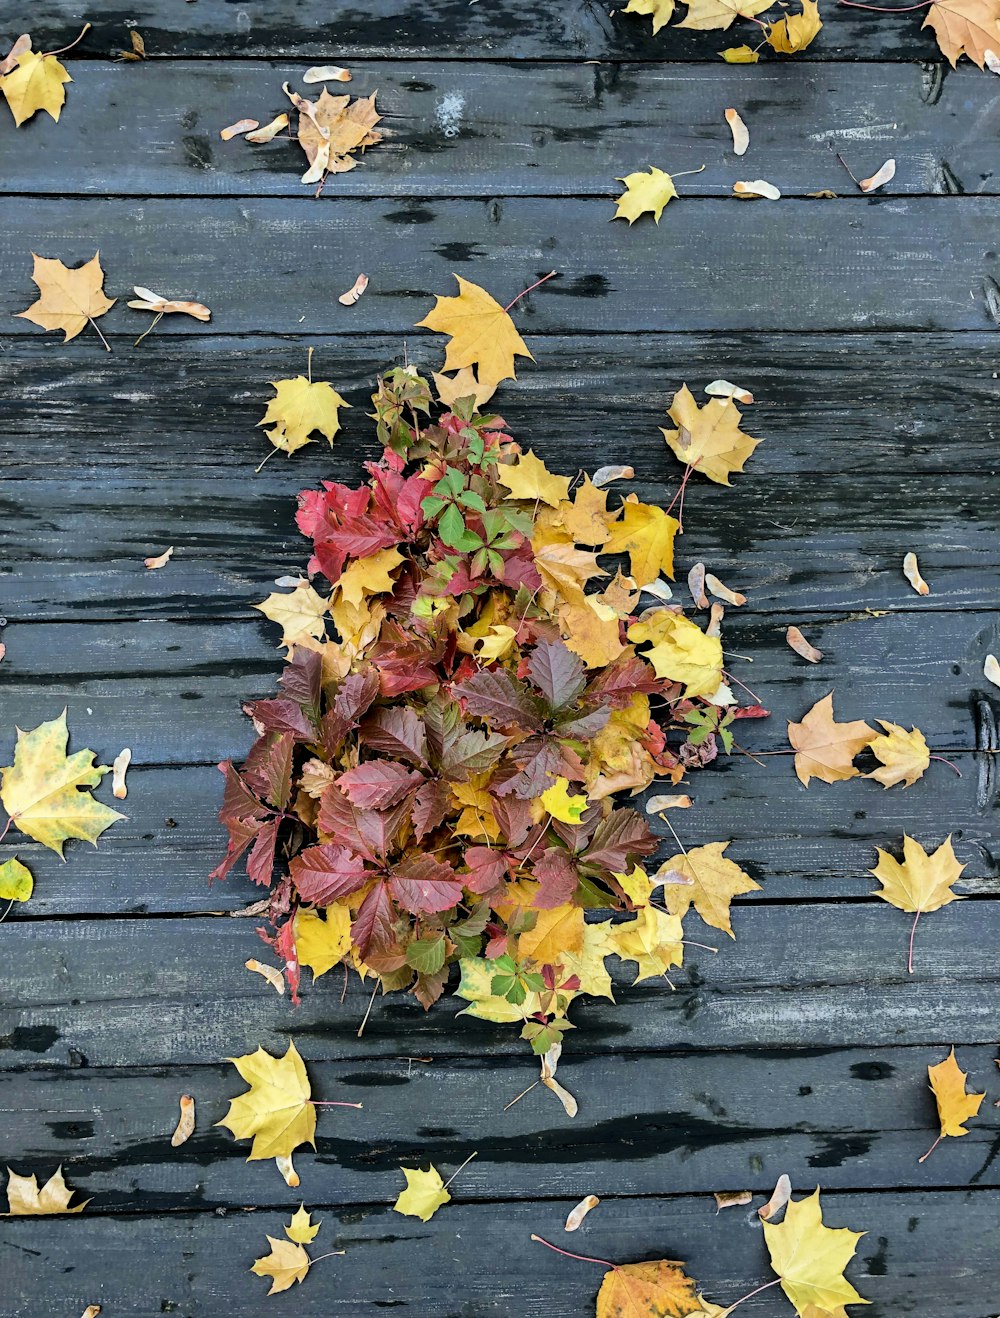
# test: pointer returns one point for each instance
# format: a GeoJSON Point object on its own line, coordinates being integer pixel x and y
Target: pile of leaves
{"type": "Point", "coordinates": [439, 781]}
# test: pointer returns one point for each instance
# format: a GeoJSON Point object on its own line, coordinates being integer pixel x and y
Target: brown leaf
{"type": "Point", "coordinates": [826, 749]}
{"type": "Point", "coordinates": [69, 297]}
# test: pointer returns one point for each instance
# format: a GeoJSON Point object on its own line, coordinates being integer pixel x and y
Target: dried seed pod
{"type": "Point", "coordinates": [777, 1201]}
{"type": "Point", "coordinates": [605, 475]}
{"type": "Point", "coordinates": [577, 1214]}
{"type": "Point", "coordinates": [723, 389]}
{"type": "Point", "coordinates": [160, 560]}
{"type": "Point", "coordinates": [185, 1126]}
{"type": "Point", "coordinates": [238, 129]}
{"type": "Point", "coordinates": [879, 178]}
{"type": "Point", "coordinates": [721, 591]}
{"type": "Point", "coordinates": [802, 647]}
{"type": "Point", "coordinates": [273, 976]}
{"type": "Point", "coordinates": [657, 803]}
{"type": "Point", "coordinates": [696, 585]}
{"type": "Point", "coordinates": [326, 73]}
{"type": "Point", "coordinates": [991, 669]}
{"type": "Point", "coordinates": [912, 573]}
{"type": "Point", "coordinates": [349, 298]}
{"type": "Point", "coordinates": [756, 187]}
{"type": "Point", "coordinates": [269, 131]}
{"type": "Point", "coordinates": [118, 769]}
{"type": "Point", "coordinates": [731, 1199]}
{"type": "Point", "coordinates": [741, 135]}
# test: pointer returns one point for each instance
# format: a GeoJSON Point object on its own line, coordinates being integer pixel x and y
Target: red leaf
{"type": "Point", "coordinates": [472, 752]}
{"type": "Point", "coordinates": [397, 731]}
{"type": "Point", "coordinates": [558, 877]}
{"type": "Point", "coordinates": [371, 833]}
{"type": "Point", "coordinates": [501, 698]}
{"type": "Point", "coordinates": [557, 673]}
{"type": "Point", "coordinates": [620, 681]}
{"type": "Point", "coordinates": [430, 807]}
{"type": "Point", "coordinates": [377, 784]}
{"type": "Point", "coordinates": [487, 869]}
{"type": "Point", "coordinates": [372, 929]}
{"type": "Point", "coordinates": [260, 862]}
{"type": "Point", "coordinates": [619, 840]}
{"type": "Point", "coordinates": [268, 767]}
{"type": "Point", "coordinates": [325, 873]}
{"type": "Point", "coordinates": [423, 885]}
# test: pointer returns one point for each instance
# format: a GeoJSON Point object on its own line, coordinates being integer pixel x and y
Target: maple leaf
{"type": "Point", "coordinates": [920, 883]}
{"type": "Point", "coordinates": [680, 651]}
{"type": "Point", "coordinates": [69, 298]}
{"type": "Point", "coordinates": [276, 1111]}
{"type": "Point", "coordinates": [424, 1193]}
{"type": "Point", "coordinates": [658, 1289]}
{"type": "Point", "coordinates": [587, 518]}
{"type": "Point", "coordinates": [322, 943]}
{"type": "Point", "coordinates": [965, 27]}
{"type": "Point", "coordinates": [527, 477]}
{"type": "Point", "coordinates": [652, 940]}
{"type": "Point", "coordinates": [369, 576]}
{"type": "Point", "coordinates": [794, 32]}
{"type": "Point", "coordinates": [646, 192]}
{"type": "Point", "coordinates": [286, 1264]}
{"type": "Point", "coordinates": [44, 790]}
{"type": "Point", "coordinates": [482, 334]}
{"type": "Point", "coordinates": [299, 614]}
{"type": "Point", "coordinates": [826, 749]}
{"type": "Point", "coordinates": [16, 883]}
{"type": "Point", "coordinates": [301, 1229]}
{"type": "Point", "coordinates": [715, 15]}
{"type": "Point", "coordinates": [463, 384]}
{"type": "Point", "coordinates": [591, 631]}
{"type": "Point", "coordinates": [556, 931]}
{"type": "Point", "coordinates": [331, 128]}
{"type": "Point", "coordinates": [708, 438]}
{"type": "Point", "coordinates": [561, 805]}
{"type": "Point", "coordinates": [299, 407]}
{"type": "Point", "coordinates": [588, 963]}
{"type": "Point", "coordinates": [25, 1199]}
{"type": "Point", "coordinates": [954, 1105]}
{"type": "Point", "coordinates": [646, 534]}
{"type": "Point", "coordinates": [904, 755]}
{"type": "Point", "coordinates": [810, 1258]}
{"type": "Point", "coordinates": [660, 11]}
{"type": "Point", "coordinates": [35, 84]}
{"type": "Point", "coordinates": [715, 881]}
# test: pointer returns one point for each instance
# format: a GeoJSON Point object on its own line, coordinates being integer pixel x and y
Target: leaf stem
{"type": "Point", "coordinates": [63, 49]}
{"type": "Point", "coordinates": [726, 1312]}
{"type": "Point", "coordinates": [269, 456]}
{"type": "Point", "coordinates": [583, 1258]}
{"type": "Point", "coordinates": [315, 1102]}
{"type": "Point", "coordinates": [881, 9]}
{"type": "Point", "coordinates": [460, 1169]}
{"type": "Point", "coordinates": [909, 960]}
{"type": "Point", "coordinates": [6, 828]}
{"type": "Point", "coordinates": [551, 275]}
{"type": "Point", "coordinates": [521, 1095]}
{"type": "Point", "coordinates": [309, 365]}
{"type": "Point", "coordinates": [151, 326]}
{"type": "Point", "coordinates": [10, 907]}
{"type": "Point", "coordinates": [949, 763]}
{"type": "Point", "coordinates": [368, 1012]}
{"type": "Point", "coordinates": [334, 1253]}
{"type": "Point", "coordinates": [931, 1149]}
{"type": "Point", "coordinates": [107, 345]}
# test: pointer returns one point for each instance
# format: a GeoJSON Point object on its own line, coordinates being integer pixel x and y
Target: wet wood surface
{"type": "Point", "coordinates": [865, 326]}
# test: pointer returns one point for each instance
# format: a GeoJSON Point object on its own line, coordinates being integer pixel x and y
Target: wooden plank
{"type": "Point", "coordinates": [787, 541]}
{"type": "Point", "coordinates": [799, 845]}
{"type": "Point", "coordinates": [143, 992]}
{"type": "Point", "coordinates": [181, 406]}
{"type": "Point", "coordinates": [438, 29]}
{"type": "Point", "coordinates": [926, 1253]}
{"type": "Point", "coordinates": [173, 691]}
{"type": "Point", "coordinates": [693, 1123]}
{"type": "Point", "coordinates": [885, 264]}
{"type": "Point", "coordinates": [469, 129]}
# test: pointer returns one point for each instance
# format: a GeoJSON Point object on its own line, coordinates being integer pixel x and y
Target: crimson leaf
{"type": "Point", "coordinates": [378, 783]}
{"type": "Point", "coordinates": [557, 673]}
{"type": "Point", "coordinates": [423, 885]}
{"type": "Point", "coordinates": [325, 873]}
{"type": "Point", "coordinates": [501, 698]}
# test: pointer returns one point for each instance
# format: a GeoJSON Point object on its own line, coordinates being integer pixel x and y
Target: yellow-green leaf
{"type": "Point", "coordinates": [275, 1112]}
{"type": "Point", "coordinates": [424, 1193]}
{"type": "Point", "coordinates": [561, 805]}
{"type": "Point", "coordinates": [301, 1229]}
{"type": "Point", "coordinates": [810, 1258]}
{"type": "Point", "coordinates": [16, 883]}
{"type": "Point", "coordinates": [36, 84]}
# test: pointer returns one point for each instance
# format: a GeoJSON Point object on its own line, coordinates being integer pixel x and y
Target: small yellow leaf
{"type": "Point", "coordinates": [715, 881]}
{"type": "Point", "coordinates": [587, 519]}
{"type": "Point", "coordinates": [482, 334]}
{"type": "Point", "coordinates": [708, 438]}
{"type": "Point", "coordinates": [561, 805]}
{"type": "Point", "coordinates": [275, 1112]}
{"type": "Point", "coordinates": [954, 1105]}
{"type": "Point", "coordinates": [680, 651]}
{"type": "Point", "coordinates": [36, 84]}
{"type": "Point", "coordinates": [16, 883]}
{"type": "Point", "coordinates": [646, 192]}
{"type": "Point", "coordinates": [740, 55]}
{"type": "Point", "coordinates": [529, 478]}
{"type": "Point", "coordinates": [590, 628]}
{"type": "Point", "coordinates": [286, 1264]}
{"type": "Point", "coordinates": [25, 1199]}
{"type": "Point", "coordinates": [369, 576]}
{"type": "Point", "coordinates": [646, 533]}
{"type": "Point", "coordinates": [299, 407]}
{"type": "Point", "coordinates": [904, 755]}
{"type": "Point", "coordinates": [69, 298]}
{"type": "Point", "coordinates": [322, 943]}
{"type": "Point", "coordinates": [463, 384]}
{"type": "Point", "coordinates": [795, 31]}
{"type": "Point", "coordinates": [660, 11]}
{"type": "Point", "coordinates": [637, 886]}
{"type": "Point", "coordinates": [424, 1193]}
{"type": "Point", "coordinates": [810, 1258]}
{"type": "Point", "coordinates": [300, 613]}
{"type": "Point", "coordinates": [658, 1289]}
{"type": "Point", "coordinates": [300, 1229]}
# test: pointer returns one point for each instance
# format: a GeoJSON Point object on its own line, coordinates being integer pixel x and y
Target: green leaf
{"type": "Point", "coordinates": [16, 883]}
{"type": "Point", "coordinates": [470, 499]}
{"type": "Point", "coordinates": [451, 527]}
{"type": "Point", "coordinates": [431, 506]}
{"type": "Point", "coordinates": [427, 955]}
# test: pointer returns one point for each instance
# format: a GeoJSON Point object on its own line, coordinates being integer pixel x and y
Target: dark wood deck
{"type": "Point", "coordinates": [867, 327]}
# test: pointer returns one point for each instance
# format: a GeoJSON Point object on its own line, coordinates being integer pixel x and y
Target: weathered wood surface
{"type": "Point", "coordinates": [679, 1123]}
{"type": "Point", "coordinates": [479, 129]}
{"type": "Point", "coordinates": [149, 991]}
{"type": "Point", "coordinates": [448, 29]}
{"type": "Point", "coordinates": [931, 1252]}
{"type": "Point", "coordinates": [884, 263]}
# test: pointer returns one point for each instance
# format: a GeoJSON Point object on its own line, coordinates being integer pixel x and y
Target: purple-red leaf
{"type": "Point", "coordinates": [557, 672]}
{"type": "Point", "coordinates": [260, 862]}
{"type": "Point", "coordinates": [397, 731]}
{"type": "Point", "coordinates": [372, 930]}
{"type": "Point", "coordinates": [423, 885]}
{"type": "Point", "coordinates": [377, 784]}
{"type": "Point", "coordinates": [328, 872]}
{"type": "Point", "coordinates": [557, 876]}
{"type": "Point", "coordinates": [500, 698]}
{"type": "Point", "coordinates": [431, 805]}
{"type": "Point", "coordinates": [620, 681]}
{"type": "Point", "coordinates": [618, 841]}
{"type": "Point", "coordinates": [268, 767]}
{"type": "Point", "coordinates": [281, 715]}
{"type": "Point", "coordinates": [472, 752]}
{"type": "Point", "coordinates": [486, 869]}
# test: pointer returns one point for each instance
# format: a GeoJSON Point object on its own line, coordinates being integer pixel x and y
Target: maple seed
{"type": "Point", "coordinates": [238, 129]}
{"type": "Point", "coordinates": [912, 573]}
{"type": "Point", "coordinates": [576, 1215]}
{"type": "Point", "coordinates": [757, 187]}
{"type": "Point", "coordinates": [349, 298]}
{"type": "Point", "coordinates": [802, 647]}
{"type": "Point", "coordinates": [780, 1197]}
{"type": "Point", "coordinates": [159, 560]}
{"type": "Point", "coordinates": [185, 1125]}
{"type": "Point", "coordinates": [118, 771]}
{"type": "Point", "coordinates": [741, 135]}
{"type": "Point", "coordinates": [879, 178]}
{"type": "Point", "coordinates": [731, 1199]}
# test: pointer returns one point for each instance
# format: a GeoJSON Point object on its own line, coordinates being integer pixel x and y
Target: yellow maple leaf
{"type": "Point", "coordinates": [660, 11]}
{"type": "Point", "coordinates": [794, 32]}
{"type": "Point", "coordinates": [424, 1193]}
{"type": "Point", "coordinates": [45, 791]}
{"type": "Point", "coordinates": [646, 191]}
{"type": "Point", "coordinates": [708, 438]}
{"type": "Point", "coordinates": [716, 15]}
{"type": "Point", "coordinates": [69, 298]}
{"type": "Point", "coordinates": [740, 55]}
{"type": "Point", "coordinates": [369, 576]}
{"type": "Point", "coordinates": [560, 804]}
{"type": "Point", "coordinates": [477, 819]}
{"type": "Point", "coordinates": [826, 748]}
{"type": "Point", "coordinates": [657, 1289]}
{"type": "Point", "coordinates": [646, 534]}
{"type": "Point", "coordinates": [276, 1111]}
{"type": "Point", "coordinates": [301, 1229]}
{"type": "Point", "coordinates": [904, 755]}
{"type": "Point", "coordinates": [482, 334]}
{"type": "Point", "coordinates": [715, 881]}
{"type": "Point", "coordinates": [954, 1105]}
{"type": "Point", "coordinates": [286, 1264]}
{"type": "Point", "coordinates": [564, 569]}
{"type": "Point", "coordinates": [810, 1258]}
{"type": "Point", "coordinates": [463, 384]}
{"type": "Point", "coordinates": [652, 940]}
{"type": "Point", "coordinates": [637, 886]}
{"type": "Point", "coordinates": [322, 943]}
{"type": "Point", "coordinates": [588, 964]}
{"type": "Point", "coordinates": [587, 519]}
{"type": "Point", "coordinates": [965, 27]}
{"type": "Point", "coordinates": [299, 407]}
{"type": "Point", "coordinates": [25, 1199]}
{"type": "Point", "coordinates": [590, 629]}
{"type": "Point", "coordinates": [919, 883]}
{"type": "Point", "coordinates": [16, 883]}
{"type": "Point", "coordinates": [556, 931]}
{"type": "Point", "coordinates": [680, 651]}
{"type": "Point", "coordinates": [35, 84]}
{"type": "Point", "coordinates": [299, 613]}
{"type": "Point", "coordinates": [529, 478]}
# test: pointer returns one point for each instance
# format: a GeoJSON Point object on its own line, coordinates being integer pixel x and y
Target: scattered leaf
{"type": "Point", "coordinates": [276, 1111]}
{"type": "Point", "coordinates": [45, 791]}
{"type": "Point", "coordinates": [826, 749]}
{"type": "Point", "coordinates": [331, 129]}
{"type": "Point", "coordinates": [118, 770]}
{"type": "Point", "coordinates": [424, 1193]}
{"type": "Point", "coordinates": [880, 177]}
{"type": "Point", "coordinates": [794, 32]}
{"type": "Point", "coordinates": [920, 882]}
{"type": "Point", "coordinates": [159, 560]}
{"type": "Point", "coordinates": [69, 298]}
{"type": "Point", "coordinates": [635, 1290]}
{"type": "Point", "coordinates": [646, 192]}
{"type": "Point", "coordinates": [576, 1215]}
{"type": "Point", "coordinates": [810, 1258]}
{"type": "Point", "coordinates": [741, 135]}
{"type": "Point", "coordinates": [35, 84]}
{"type": "Point", "coordinates": [286, 1264]}
{"type": "Point", "coordinates": [185, 1125]}
{"type": "Point", "coordinates": [802, 647]}
{"type": "Point", "coordinates": [731, 1199]}
{"type": "Point", "coordinates": [299, 407]}
{"type": "Point", "coordinates": [16, 883]}
{"type": "Point", "coordinates": [965, 27]}
{"type": "Point", "coordinates": [714, 882]}
{"type": "Point", "coordinates": [352, 295]}
{"type": "Point", "coordinates": [301, 1229]}
{"type": "Point", "coordinates": [740, 55]}
{"type": "Point", "coordinates": [757, 187]}
{"type": "Point", "coordinates": [717, 15]}
{"type": "Point", "coordinates": [660, 11]}
{"type": "Point", "coordinates": [482, 334]}
{"type": "Point", "coordinates": [912, 573]}
{"type": "Point", "coordinates": [25, 1199]}
{"type": "Point", "coordinates": [708, 438]}
{"type": "Point", "coordinates": [955, 1106]}
{"type": "Point", "coordinates": [780, 1197]}
{"type": "Point", "coordinates": [904, 755]}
